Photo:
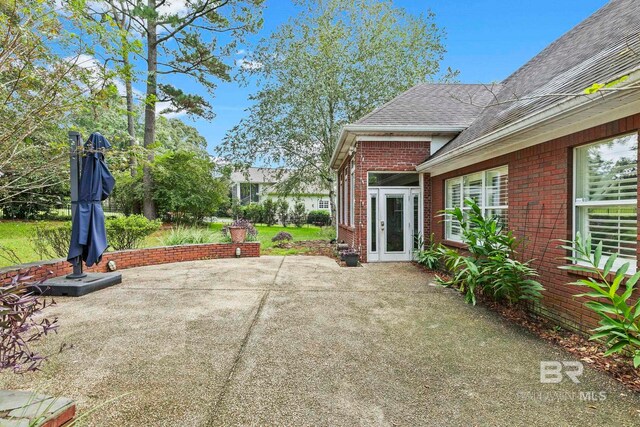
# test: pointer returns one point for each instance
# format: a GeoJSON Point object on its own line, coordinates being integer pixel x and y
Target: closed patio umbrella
{"type": "Point", "coordinates": [88, 233]}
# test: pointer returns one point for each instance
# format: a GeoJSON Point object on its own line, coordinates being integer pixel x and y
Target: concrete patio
{"type": "Point", "coordinates": [302, 341]}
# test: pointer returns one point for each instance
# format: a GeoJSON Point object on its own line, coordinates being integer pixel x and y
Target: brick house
{"type": "Point", "coordinates": [535, 150]}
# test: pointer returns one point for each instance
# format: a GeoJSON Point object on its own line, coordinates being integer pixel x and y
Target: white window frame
{"type": "Point", "coordinates": [340, 201]}
{"type": "Point", "coordinates": [581, 203]}
{"type": "Point", "coordinates": [352, 191]}
{"type": "Point", "coordinates": [344, 197]}
{"type": "Point", "coordinates": [459, 180]}
{"type": "Point", "coordinates": [323, 204]}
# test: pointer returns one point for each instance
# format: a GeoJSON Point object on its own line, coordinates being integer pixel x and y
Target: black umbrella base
{"type": "Point", "coordinates": [61, 286]}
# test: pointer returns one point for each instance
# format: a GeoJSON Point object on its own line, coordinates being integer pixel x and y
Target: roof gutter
{"type": "Point", "coordinates": [554, 111]}
{"type": "Point", "coordinates": [349, 133]}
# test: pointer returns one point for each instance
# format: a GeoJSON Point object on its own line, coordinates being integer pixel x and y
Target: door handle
{"type": "Point", "coordinates": [382, 224]}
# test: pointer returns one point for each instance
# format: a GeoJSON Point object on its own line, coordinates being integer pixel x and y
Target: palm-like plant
{"type": "Point", "coordinates": [611, 296]}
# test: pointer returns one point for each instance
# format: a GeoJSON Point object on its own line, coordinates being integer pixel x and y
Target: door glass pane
{"type": "Point", "coordinates": [395, 223]}
{"type": "Point", "coordinates": [374, 223]}
{"type": "Point", "coordinates": [416, 231]}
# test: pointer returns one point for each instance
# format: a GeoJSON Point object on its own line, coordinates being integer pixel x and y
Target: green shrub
{"type": "Point", "coordinates": [299, 214]}
{"type": "Point", "coordinates": [283, 212]}
{"type": "Point", "coordinates": [431, 254]}
{"type": "Point", "coordinates": [269, 212]}
{"type": "Point", "coordinates": [128, 232]}
{"type": "Point", "coordinates": [185, 186]}
{"type": "Point", "coordinates": [52, 241]}
{"type": "Point", "coordinates": [253, 213]}
{"type": "Point", "coordinates": [237, 210]}
{"type": "Point", "coordinates": [319, 217]}
{"type": "Point", "coordinates": [128, 194]}
{"type": "Point", "coordinates": [281, 239]}
{"type": "Point", "coordinates": [187, 236]}
{"type": "Point", "coordinates": [492, 266]}
{"type": "Point", "coordinates": [619, 312]}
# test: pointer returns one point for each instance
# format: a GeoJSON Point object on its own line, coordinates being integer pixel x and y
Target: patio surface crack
{"type": "Point", "coordinates": [243, 345]}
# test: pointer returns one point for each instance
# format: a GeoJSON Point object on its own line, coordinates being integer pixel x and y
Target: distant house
{"type": "Point", "coordinates": [258, 184]}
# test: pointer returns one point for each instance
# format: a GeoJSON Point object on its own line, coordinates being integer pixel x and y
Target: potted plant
{"type": "Point", "coordinates": [350, 257]}
{"type": "Point", "coordinates": [239, 229]}
{"type": "Point", "coordinates": [238, 234]}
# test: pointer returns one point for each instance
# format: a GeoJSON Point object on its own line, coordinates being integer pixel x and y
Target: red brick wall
{"type": "Point", "coordinates": [137, 258]}
{"type": "Point", "coordinates": [377, 156]}
{"type": "Point", "coordinates": [540, 210]}
{"type": "Point", "coordinates": [346, 233]}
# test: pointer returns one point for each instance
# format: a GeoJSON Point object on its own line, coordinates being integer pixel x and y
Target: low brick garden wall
{"type": "Point", "coordinates": [135, 258]}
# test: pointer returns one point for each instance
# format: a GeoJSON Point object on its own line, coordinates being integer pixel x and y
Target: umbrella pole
{"type": "Point", "coordinates": [75, 141]}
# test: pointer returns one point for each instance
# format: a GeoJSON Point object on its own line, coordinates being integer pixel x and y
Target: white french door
{"type": "Point", "coordinates": [393, 219]}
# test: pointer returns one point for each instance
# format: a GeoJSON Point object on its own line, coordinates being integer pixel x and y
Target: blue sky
{"type": "Point", "coordinates": [486, 41]}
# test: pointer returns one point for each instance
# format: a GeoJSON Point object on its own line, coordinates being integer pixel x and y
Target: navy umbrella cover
{"type": "Point", "coordinates": [88, 232]}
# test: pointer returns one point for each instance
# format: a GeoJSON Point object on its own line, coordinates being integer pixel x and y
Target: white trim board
{"type": "Point", "coordinates": [385, 138]}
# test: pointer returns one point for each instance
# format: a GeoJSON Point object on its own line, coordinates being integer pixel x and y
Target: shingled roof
{"type": "Point", "coordinates": [433, 104]}
{"type": "Point", "coordinates": [601, 48]}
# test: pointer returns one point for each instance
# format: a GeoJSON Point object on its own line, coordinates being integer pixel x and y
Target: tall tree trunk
{"type": "Point", "coordinates": [332, 199]}
{"type": "Point", "coordinates": [130, 117]}
{"type": "Point", "coordinates": [149, 208]}
{"type": "Point", "coordinates": [131, 130]}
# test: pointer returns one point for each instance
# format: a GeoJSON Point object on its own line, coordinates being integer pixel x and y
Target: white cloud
{"type": "Point", "coordinates": [241, 52]}
{"type": "Point", "coordinates": [246, 64]}
{"type": "Point", "coordinates": [160, 106]}
{"type": "Point", "coordinates": [173, 7]}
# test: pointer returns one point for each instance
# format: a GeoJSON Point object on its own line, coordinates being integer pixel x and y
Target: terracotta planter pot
{"type": "Point", "coordinates": [238, 234]}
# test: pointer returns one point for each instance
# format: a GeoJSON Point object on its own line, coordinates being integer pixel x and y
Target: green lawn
{"type": "Point", "coordinates": [15, 235]}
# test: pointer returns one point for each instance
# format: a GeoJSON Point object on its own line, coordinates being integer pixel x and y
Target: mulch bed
{"type": "Point", "coordinates": [590, 352]}
{"type": "Point", "coordinates": [316, 248]}
{"type": "Point", "coordinates": [312, 247]}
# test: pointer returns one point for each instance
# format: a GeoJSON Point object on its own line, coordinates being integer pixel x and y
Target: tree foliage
{"type": "Point", "coordinates": [185, 186]}
{"type": "Point", "coordinates": [183, 41]}
{"type": "Point", "coordinates": [333, 63]}
{"type": "Point", "coordinates": [42, 79]}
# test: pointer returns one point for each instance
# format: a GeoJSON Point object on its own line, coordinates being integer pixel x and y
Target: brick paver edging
{"type": "Point", "coordinates": [136, 258]}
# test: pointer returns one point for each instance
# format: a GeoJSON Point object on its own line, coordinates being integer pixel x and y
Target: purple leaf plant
{"type": "Point", "coordinates": [21, 324]}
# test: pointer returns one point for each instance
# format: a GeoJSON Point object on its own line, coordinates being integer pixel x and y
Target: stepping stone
{"type": "Point", "coordinates": [26, 408]}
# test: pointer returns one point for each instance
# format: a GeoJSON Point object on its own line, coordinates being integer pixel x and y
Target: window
{"type": "Point", "coordinates": [488, 189]}
{"type": "Point", "coordinates": [340, 200]}
{"type": "Point", "coordinates": [606, 194]}
{"type": "Point", "coordinates": [352, 191]}
{"type": "Point", "coordinates": [392, 179]}
{"type": "Point", "coordinates": [344, 197]}
{"type": "Point", "coordinates": [249, 193]}
{"type": "Point", "coordinates": [323, 204]}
